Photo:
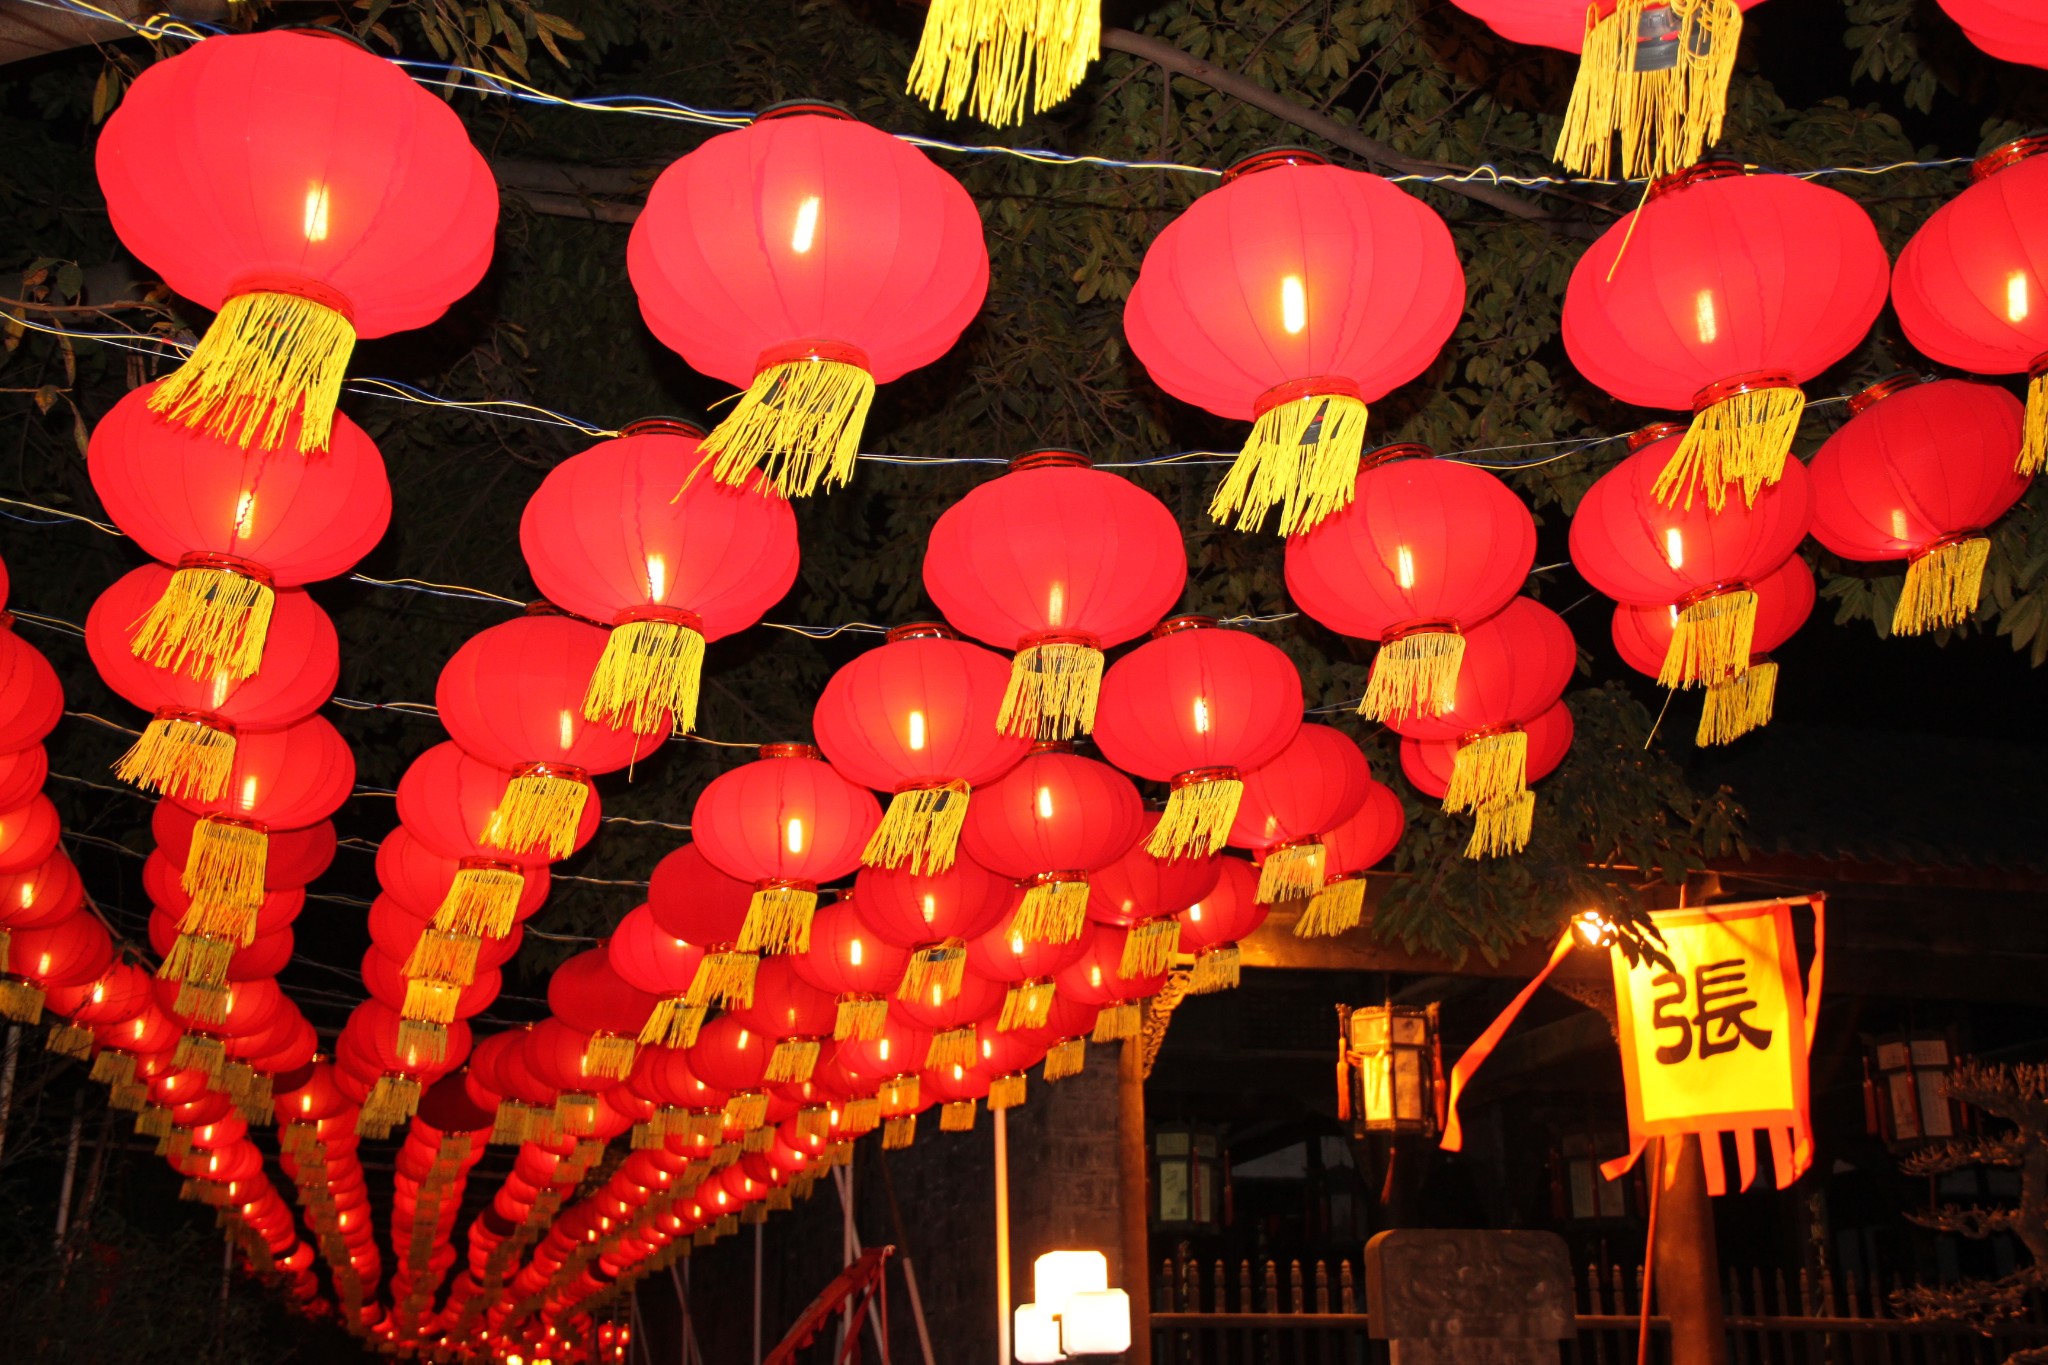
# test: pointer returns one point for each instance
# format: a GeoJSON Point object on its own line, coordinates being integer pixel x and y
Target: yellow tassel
{"type": "Point", "coordinates": [540, 810]}
{"type": "Point", "coordinates": [1117, 1022]}
{"type": "Point", "coordinates": [576, 1115]}
{"type": "Point", "coordinates": [203, 1002]}
{"type": "Point", "coordinates": [609, 1056]}
{"type": "Point", "coordinates": [779, 920]}
{"type": "Point", "coordinates": [225, 865]}
{"type": "Point", "coordinates": [941, 965]}
{"type": "Point", "coordinates": [1290, 872]}
{"type": "Point", "coordinates": [793, 1060]}
{"type": "Point", "coordinates": [392, 1100]}
{"type": "Point", "coordinates": [1488, 770]}
{"type": "Point", "coordinates": [899, 1094]}
{"type": "Point", "coordinates": [1149, 947]}
{"type": "Point", "coordinates": [113, 1068]}
{"type": "Point", "coordinates": [234, 925]}
{"type": "Point", "coordinates": [921, 829]}
{"type": "Point", "coordinates": [1336, 909]}
{"type": "Point", "coordinates": [482, 902]}
{"type": "Point", "coordinates": [799, 422]}
{"type": "Point", "coordinates": [761, 1139]}
{"type": "Point", "coordinates": [1414, 675]}
{"type": "Point", "coordinates": [153, 1122]}
{"type": "Point", "coordinates": [199, 1052]}
{"type": "Point", "coordinates": [1301, 455]}
{"type": "Point", "coordinates": [266, 357]}
{"type": "Point", "coordinates": [647, 678]}
{"type": "Point", "coordinates": [953, 1047]}
{"type": "Point", "coordinates": [1503, 827]}
{"type": "Point", "coordinates": [956, 1116]}
{"type": "Point", "coordinates": [725, 979]}
{"type": "Point", "coordinates": [674, 1023]}
{"type": "Point", "coordinates": [1065, 1058]}
{"type": "Point", "coordinates": [431, 1002]}
{"type": "Point", "coordinates": [512, 1124]}
{"type": "Point", "coordinates": [1736, 707]}
{"type": "Point", "coordinates": [179, 758]}
{"type": "Point", "coordinates": [2034, 431]}
{"type": "Point", "coordinates": [1196, 821]}
{"type": "Point", "coordinates": [1216, 969]}
{"type": "Point", "coordinates": [862, 1115]}
{"type": "Point", "coordinates": [1667, 118]}
{"type": "Point", "coordinates": [6, 946]}
{"type": "Point", "coordinates": [1743, 439]}
{"type": "Point", "coordinates": [814, 1123]}
{"type": "Point", "coordinates": [444, 957]}
{"type": "Point", "coordinates": [210, 623]}
{"type": "Point", "coordinates": [748, 1109]}
{"type": "Point", "coordinates": [235, 1080]}
{"type": "Point", "coordinates": [1941, 587]}
{"type": "Point", "coordinates": [1710, 641]}
{"type": "Point", "coordinates": [898, 1132]}
{"type": "Point", "coordinates": [1026, 1006]}
{"type": "Point", "coordinates": [69, 1040]}
{"type": "Point", "coordinates": [861, 1018]}
{"type": "Point", "coordinates": [1002, 59]}
{"type": "Point", "coordinates": [1052, 912]}
{"type": "Point", "coordinates": [1053, 690]}
{"type": "Point", "coordinates": [197, 959]}
{"type": "Point", "coordinates": [422, 1040]}
{"type": "Point", "coordinates": [1006, 1092]}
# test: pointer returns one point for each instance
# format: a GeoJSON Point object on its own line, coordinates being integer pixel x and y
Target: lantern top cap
{"type": "Point", "coordinates": [1267, 158]}
{"type": "Point", "coordinates": [1653, 433]}
{"type": "Point", "coordinates": [1692, 175]}
{"type": "Point", "coordinates": [920, 630]}
{"type": "Point", "coordinates": [789, 749]}
{"type": "Point", "coordinates": [663, 426]}
{"type": "Point", "coordinates": [1052, 457]}
{"type": "Point", "coordinates": [1174, 625]}
{"type": "Point", "coordinates": [1884, 388]}
{"type": "Point", "coordinates": [1052, 746]}
{"type": "Point", "coordinates": [799, 108]}
{"type": "Point", "coordinates": [2007, 155]}
{"type": "Point", "coordinates": [1400, 450]}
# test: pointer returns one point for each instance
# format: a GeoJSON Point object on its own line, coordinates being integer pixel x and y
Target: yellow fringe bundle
{"type": "Point", "coordinates": [482, 902]}
{"type": "Point", "coordinates": [1216, 969]}
{"type": "Point", "coordinates": [1196, 821]}
{"type": "Point", "coordinates": [1025, 1005]}
{"type": "Point", "coordinates": [1742, 704]}
{"type": "Point", "coordinates": [860, 1116]}
{"type": "Point", "coordinates": [113, 1068]}
{"type": "Point", "coordinates": [748, 1109]}
{"type": "Point", "coordinates": [199, 1052]}
{"type": "Point", "coordinates": [1488, 771]}
{"type": "Point", "coordinates": [69, 1040]}
{"type": "Point", "coordinates": [799, 423]}
{"type": "Point", "coordinates": [443, 957]}
{"type": "Point", "coordinates": [1301, 456]}
{"type": "Point", "coordinates": [1149, 947]}
{"type": "Point", "coordinates": [129, 1095]}
{"type": "Point", "coordinates": [793, 1061]}
{"type": "Point", "coordinates": [760, 1139]}
{"type": "Point", "coordinates": [197, 958]}
{"type": "Point", "coordinates": [1336, 909]}
{"type": "Point", "coordinates": [1052, 692]}
{"type": "Point", "coordinates": [1941, 587]}
{"type": "Point", "coordinates": [646, 680]}
{"type": "Point", "coordinates": [392, 1100]}
{"type": "Point", "coordinates": [1415, 675]}
{"type": "Point", "coordinates": [953, 1047]}
{"type": "Point", "coordinates": [1052, 912]}
{"type": "Point", "coordinates": [1006, 1092]}
{"type": "Point", "coordinates": [1666, 118]}
{"type": "Point", "coordinates": [210, 623]}
{"type": "Point", "coordinates": [2034, 430]}
{"type": "Point", "coordinates": [725, 979]}
{"type": "Point", "coordinates": [202, 1002]}
{"type": "Point", "coordinates": [1503, 827]}
{"type": "Point", "coordinates": [1004, 59]}
{"type": "Point", "coordinates": [183, 759]}
{"type": "Point", "coordinates": [266, 357]}
{"type": "Point", "coordinates": [898, 1132]}
{"type": "Point", "coordinates": [921, 829]}
{"type": "Point", "coordinates": [941, 965]}
{"type": "Point", "coordinates": [1117, 1022]}
{"type": "Point", "coordinates": [779, 920]}
{"type": "Point", "coordinates": [225, 866]}
{"type": "Point", "coordinates": [1743, 439]}
{"type": "Point", "coordinates": [609, 1056]}
{"type": "Point", "coordinates": [538, 811]}
{"type": "Point", "coordinates": [860, 1019]}
{"type": "Point", "coordinates": [21, 1001]}
{"type": "Point", "coordinates": [899, 1094]}
{"type": "Point", "coordinates": [957, 1116]}
{"type": "Point", "coordinates": [1711, 639]}
{"type": "Point", "coordinates": [1065, 1058]}
{"type": "Point", "coordinates": [575, 1115]}
{"type": "Point", "coordinates": [813, 1123]}
{"type": "Point", "coordinates": [673, 1023]}
{"type": "Point", "coordinates": [6, 946]}
{"type": "Point", "coordinates": [153, 1121]}
{"type": "Point", "coordinates": [431, 1001]}
{"type": "Point", "coordinates": [1291, 872]}
{"type": "Point", "coordinates": [423, 1041]}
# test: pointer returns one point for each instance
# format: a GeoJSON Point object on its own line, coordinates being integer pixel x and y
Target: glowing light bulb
{"type": "Point", "coordinates": [1404, 567]}
{"type": "Point", "coordinates": [2016, 300]}
{"type": "Point", "coordinates": [915, 727]}
{"type": "Point", "coordinates": [1195, 913]}
{"type": "Point", "coordinates": [806, 233]}
{"type": "Point", "coordinates": [883, 1050]}
{"type": "Point", "coordinates": [250, 789]}
{"type": "Point", "coordinates": [1017, 945]}
{"type": "Point", "coordinates": [1056, 605]}
{"type": "Point", "coordinates": [1094, 975]}
{"type": "Point", "coordinates": [314, 222]}
{"type": "Point", "coordinates": [1045, 803]}
{"type": "Point", "coordinates": [245, 515]}
{"type": "Point", "coordinates": [565, 725]}
{"type": "Point", "coordinates": [929, 907]}
{"type": "Point", "coordinates": [1293, 305]}
{"type": "Point", "coordinates": [1674, 547]}
{"type": "Point", "coordinates": [854, 952]}
{"type": "Point", "coordinates": [1201, 715]}
{"type": "Point", "coordinates": [1900, 527]}
{"type": "Point", "coordinates": [793, 834]}
{"type": "Point", "coordinates": [938, 995]}
{"type": "Point", "coordinates": [1705, 320]}
{"type": "Point", "coordinates": [657, 577]}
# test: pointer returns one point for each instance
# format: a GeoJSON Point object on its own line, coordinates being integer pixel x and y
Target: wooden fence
{"type": "Point", "coordinates": [1220, 1314]}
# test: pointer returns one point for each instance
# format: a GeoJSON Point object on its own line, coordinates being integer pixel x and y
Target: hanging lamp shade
{"type": "Point", "coordinates": [31, 698]}
{"type": "Point", "coordinates": [1724, 293]}
{"type": "Point", "coordinates": [935, 916]}
{"type": "Point", "coordinates": [296, 856]}
{"type": "Point", "coordinates": [223, 172]}
{"type": "Point", "coordinates": [22, 774]}
{"type": "Point", "coordinates": [1313, 784]}
{"type": "Point", "coordinates": [163, 883]}
{"type": "Point", "coordinates": [918, 717]}
{"type": "Point", "coordinates": [513, 697]}
{"type": "Point", "coordinates": [1047, 824]}
{"type": "Point", "coordinates": [797, 1018]}
{"type": "Point", "coordinates": [375, 1046]}
{"type": "Point", "coordinates": [1737, 705]}
{"type": "Point", "coordinates": [887, 1065]}
{"type": "Point", "coordinates": [1920, 471]}
{"type": "Point", "coordinates": [450, 802]}
{"type": "Point", "coordinates": [1196, 706]}
{"type": "Point", "coordinates": [482, 897]}
{"type": "Point", "coordinates": [952, 1019]}
{"type": "Point", "coordinates": [1432, 766]}
{"type": "Point", "coordinates": [1212, 927]}
{"type": "Point", "coordinates": [807, 257]}
{"type": "Point", "coordinates": [587, 994]}
{"type": "Point", "coordinates": [1057, 561]}
{"type": "Point", "coordinates": [1351, 848]}
{"type": "Point", "coordinates": [1291, 297]}
{"type": "Point", "coordinates": [1026, 967]}
{"type": "Point", "coordinates": [1003, 61]}
{"type": "Point", "coordinates": [41, 894]}
{"type": "Point", "coordinates": [1641, 551]}
{"type": "Point", "coordinates": [72, 951]}
{"type": "Point", "coordinates": [608, 537]}
{"type": "Point", "coordinates": [1425, 548]}
{"type": "Point", "coordinates": [385, 979]}
{"type": "Point", "coordinates": [696, 902]}
{"type": "Point", "coordinates": [1517, 663]}
{"type": "Point", "coordinates": [649, 958]}
{"type": "Point", "coordinates": [1096, 981]}
{"type": "Point", "coordinates": [2010, 30]}
{"type": "Point", "coordinates": [849, 960]}
{"type": "Point", "coordinates": [187, 748]}
{"type": "Point", "coordinates": [1142, 892]}
{"type": "Point", "coordinates": [734, 1058]}
{"type": "Point", "coordinates": [393, 973]}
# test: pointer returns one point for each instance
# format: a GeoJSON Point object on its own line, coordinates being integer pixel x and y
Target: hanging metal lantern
{"type": "Point", "coordinates": [1390, 1069]}
{"type": "Point", "coordinates": [1905, 1102]}
{"type": "Point", "coordinates": [1190, 1178]}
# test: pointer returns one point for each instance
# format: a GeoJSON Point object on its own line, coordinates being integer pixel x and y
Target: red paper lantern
{"type": "Point", "coordinates": [951, 1019]}
{"type": "Point", "coordinates": [784, 823]}
{"type": "Point", "coordinates": [22, 774]}
{"type": "Point", "coordinates": [1047, 824]}
{"type": "Point", "coordinates": [848, 959]}
{"type": "Point", "coordinates": [649, 958]}
{"type": "Point", "coordinates": [1431, 764]}
{"type": "Point", "coordinates": [264, 955]}
{"type": "Point", "coordinates": [481, 897]}
{"type": "Point", "coordinates": [222, 171]}
{"type": "Point", "coordinates": [696, 902]}
{"type": "Point", "coordinates": [235, 525]}
{"type": "Point", "coordinates": [40, 895]}
{"type": "Point", "coordinates": [1784, 599]}
{"type": "Point", "coordinates": [2010, 30]}
{"type": "Point", "coordinates": [888, 1065]}
{"type": "Point", "coordinates": [734, 1058]}
{"type": "Point", "coordinates": [1026, 967]}
{"type": "Point", "coordinates": [450, 803]}
{"type": "Point", "coordinates": [1312, 785]}
{"type": "Point", "coordinates": [28, 835]}
{"type": "Point", "coordinates": [1096, 981]}
{"type": "Point", "coordinates": [31, 698]}
{"type": "Point", "coordinates": [1724, 293]}
{"type": "Point", "coordinates": [385, 979]}
{"type": "Point", "coordinates": [808, 257]}
{"type": "Point", "coordinates": [935, 916]}
{"type": "Point", "coordinates": [795, 1015]}
{"type": "Point", "coordinates": [1293, 296]}
{"type": "Point", "coordinates": [1143, 893]}
{"type": "Point", "coordinates": [69, 952]}
{"type": "Point", "coordinates": [297, 856]}
{"type": "Point", "coordinates": [586, 994]}
{"type": "Point", "coordinates": [607, 536]}
{"type": "Point", "coordinates": [1196, 706]}
{"type": "Point", "coordinates": [1212, 927]}
{"type": "Point", "coordinates": [1425, 549]}
{"type": "Point", "coordinates": [375, 1044]}
{"type": "Point", "coordinates": [1057, 561]}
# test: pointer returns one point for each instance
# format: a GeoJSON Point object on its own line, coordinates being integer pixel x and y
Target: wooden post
{"type": "Point", "coordinates": [1134, 1198]}
{"type": "Point", "coordinates": [1688, 1283]}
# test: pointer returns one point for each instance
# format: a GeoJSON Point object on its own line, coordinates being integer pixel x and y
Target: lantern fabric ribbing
{"type": "Point", "coordinates": [1351, 848]}
{"type": "Point", "coordinates": [1724, 293]}
{"type": "Point", "coordinates": [806, 257]}
{"type": "Point", "coordinates": [223, 170]}
{"type": "Point", "coordinates": [1143, 893]}
{"type": "Point", "coordinates": [1211, 928]}
{"type": "Point", "coordinates": [2010, 30]}
{"type": "Point", "coordinates": [1047, 824]}
{"type": "Point", "coordinates": [1971, 288]}
{"type": "Point", "coordinates": [918, 717]}
{"type": "Point", "coordinates": [1426, 548]}
{"type": "Point", "coordinates": [608, 537]}
{"type": "Point", "coordinates": [1292, 296]}
{"type": "Point", "coordinates": [1194, 707]}
{"type": "Point", "coordinates": [1313, 784]}
{"type": "Point", "coordinates": [1737, 705]}
{"type": "Point", "coordinates": [849, 960]}
{"type": "Point", "coordinates": [1002, 60]}
{"type": "Point", "coordinates": [1057, 561]}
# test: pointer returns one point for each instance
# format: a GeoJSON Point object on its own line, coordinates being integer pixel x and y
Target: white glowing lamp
{"type": "Point", "coordinates": [1076, 1312]}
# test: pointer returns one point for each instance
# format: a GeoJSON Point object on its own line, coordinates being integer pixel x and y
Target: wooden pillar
{"type": "Point", "coordinates": [1687, 1269]}
{"type": "Point", "coordinates": [1134, 1199]}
